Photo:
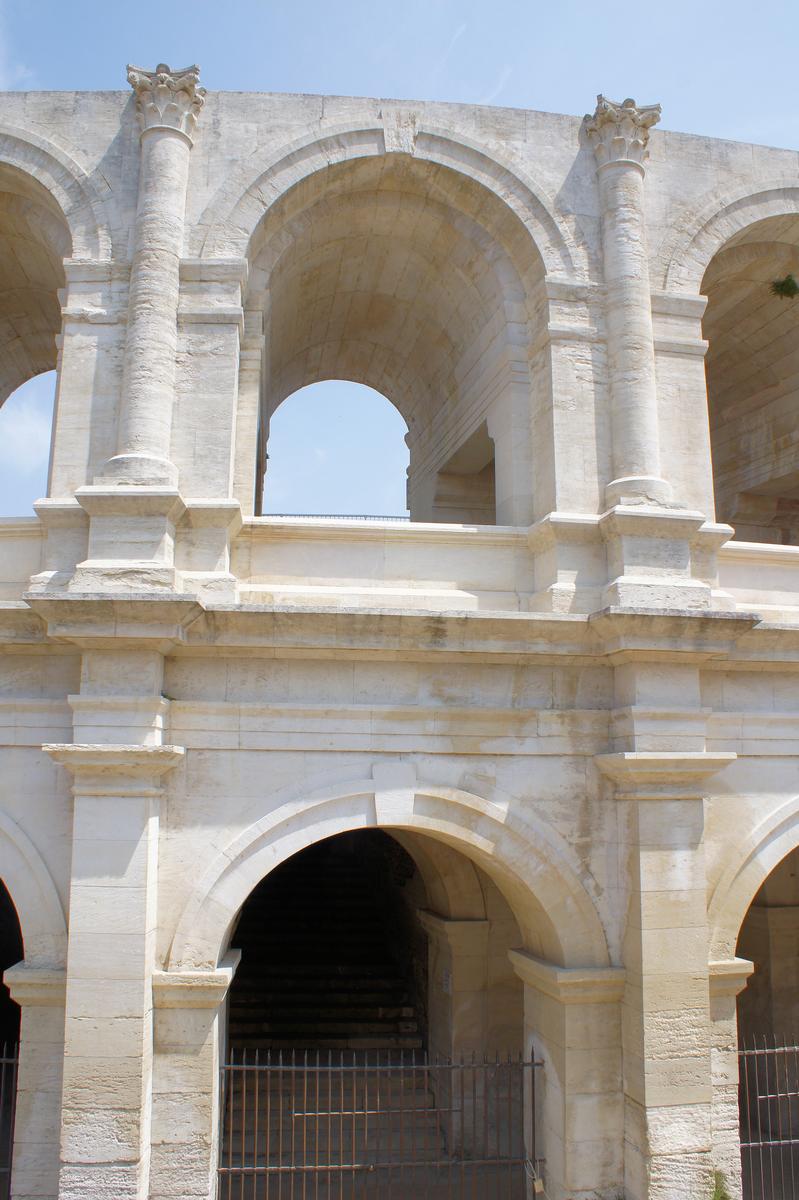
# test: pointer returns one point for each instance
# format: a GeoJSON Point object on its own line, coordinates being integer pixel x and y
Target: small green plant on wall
{"type": "Point", "coordinates": [787, 288]}
{"type": "Point", "coordinates": [720, 1191]}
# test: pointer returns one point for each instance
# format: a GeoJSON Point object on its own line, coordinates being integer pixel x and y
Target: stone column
{"type": "Point", "coordinates": [105, 1119]}
{"type": "Point", "coordinates": [39, 991]}
{"type": "Point", "coordinates": [727, 979]}
{"type": "Point", "coordinates": [619, 134]}
{"type": "Point", "coordinates": [187, 1106]}
{"type": "Point", "coordinates": [168, 103]}
{"type": "Point", "coordinates": [665, 1025]}
{"type": "Point", "coordinates": [572, 1025]}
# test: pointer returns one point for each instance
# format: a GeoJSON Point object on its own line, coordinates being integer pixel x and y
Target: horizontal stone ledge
{"type": "Point", "coordinates": [694, 347]}
{"type": "Point", "coordinates": [36, 986]}
{"type": "Point", "coordinates": [669, 772]}
{"type": "Point", "coordinates": [214, 270]}
{"type": "Point", "coordinates": [570, 985]}
{"type": "Point", "coordinates": [729, 976]}
{"type": "Point", "coordinates": [195, 989]}
{"type": "Point", "coordinates": [99, 760]}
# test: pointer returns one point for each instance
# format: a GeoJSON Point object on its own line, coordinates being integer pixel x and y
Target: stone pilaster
{"type": "Point", "coordinates": [187, 1106]}
{"type": "Point", "coordinates": [105, 1119]}
{"type": "Point", "coordinates": [39, 991]}
{"type": "Point", "coordinates": [665, 1025]}
{"type": "Point", "coordinates": [168, 103]}
{"type": "Point", "coordinates": [727, 979]}
{"type": "Point", "coordinates": [572, 1024]}
{"type": "Point", "coordinates": [619, 134]}
{"type": "Point", "coordinates": [458, 977]}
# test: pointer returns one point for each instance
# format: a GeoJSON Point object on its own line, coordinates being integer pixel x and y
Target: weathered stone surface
{"type": "Point", "coordinates": [565, 687]}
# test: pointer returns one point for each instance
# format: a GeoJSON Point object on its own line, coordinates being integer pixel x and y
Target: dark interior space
{"type": "Point", "coordinates": [11, 952]}
{"type": "Point", "coordinates": [333, 955]}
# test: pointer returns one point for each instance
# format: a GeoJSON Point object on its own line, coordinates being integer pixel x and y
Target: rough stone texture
{"type": "Point", "coordinates": [565, 686]}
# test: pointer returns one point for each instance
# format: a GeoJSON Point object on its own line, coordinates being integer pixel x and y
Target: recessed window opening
{"type": "Point", "coordinates": [26, 420]}
{"type": "Point", "coordinates": [336, 449]}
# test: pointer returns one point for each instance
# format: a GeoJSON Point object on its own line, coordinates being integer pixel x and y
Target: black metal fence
{"type": "Point", "coordinates": [768, 1098]}
{"type": "Point", "coordinates": [9, 1062]}
{"type": "Point", "coordinates": [358, 1125]}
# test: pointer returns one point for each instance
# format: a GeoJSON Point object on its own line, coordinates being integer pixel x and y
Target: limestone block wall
{"type": "Point", "coordinates": [579, 720]}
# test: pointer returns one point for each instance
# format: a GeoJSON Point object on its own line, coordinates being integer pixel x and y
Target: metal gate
{"type": "Point", "coordinates": [768, 1099]}
{"type": "Point", "coordinates": [358, 1125]}
{"type": "Point", "coordinates": [9, 1061]}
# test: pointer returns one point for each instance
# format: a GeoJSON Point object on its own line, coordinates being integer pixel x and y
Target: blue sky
{"type": "Point", "coordinates": [726, 69]}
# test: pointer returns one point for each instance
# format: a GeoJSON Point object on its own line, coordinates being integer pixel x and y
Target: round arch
{"type": "Point", "coordinates": [525, 859]}
{"type": "Point", "coordinates": [754, 860]}
{"type": "Point", "coordinates": [68, 184]}
{"type": "Point", "coordinates": [33, 893]}
{"type": "Point", "coordinates": [233, 215]}
{"type": "Point", "coordinates": [686, 254]}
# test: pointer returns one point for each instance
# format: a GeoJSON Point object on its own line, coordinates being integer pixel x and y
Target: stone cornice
{"type": "Point", "coordinates": [195, 989]}
{"type": "Point", "coordinates": [569, 985]}
{"type": "Point", "coordinates": [117, 620]}
{"type": "Point", "coordinates": [619, 131]}
{"type": "Point", "coordinates": [658, 775]}
{"type": "Point", "coordinates": [167, 98]}
{"type": "Point", "coordinates": [41, 987]}
{"type": "Point", "coordinates": [98, 762]}
{"type": "Point", "coordinates": [687, 635]}
{"type": "Point", "coordinates": [729, 976]}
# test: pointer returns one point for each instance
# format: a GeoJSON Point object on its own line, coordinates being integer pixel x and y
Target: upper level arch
{"type": "Point", "coordinates": [414, 278]}
{"type": "Point", "coordinates": [524, 858]}
{"type": "Point", "coordinates": [686, 254]}
{"type": "Point", "coordinates": [63, 186]}
{"type": "Point", "coordinates": [231, 219]}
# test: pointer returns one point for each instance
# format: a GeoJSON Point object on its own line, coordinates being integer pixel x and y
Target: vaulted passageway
{"type": "Point", "coordinates": [414, 280]}
{"type": "Point", "coordinates": [752, 328]}
{"type": "Point", "coordinates": [768, 1037]}
{"type": "Point", "coordinates": [333, 954]}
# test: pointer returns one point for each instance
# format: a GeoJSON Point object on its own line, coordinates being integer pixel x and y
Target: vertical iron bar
{"type": "Point", "coordinates": [402, 1122]}
{"type": "Point", "coordinates": [486, 1138]}
{"type": "Point", "coordinates": [256, 1141]}
{"type": "Point", "coordinates": [461, 1130]}
{"type": "Point", "coordinates": [317, 1125]}
{"type": "Point", "coordinates": [426, 1117]}
{"type": "Point", "coordinates": [305, 1162]}
{"type": "Point", "coordinates": [280, 1111]}
{"type": "Point", "coordinates": [341, 1122]}
{"type": "Point", "coordinates": [229, 1084]}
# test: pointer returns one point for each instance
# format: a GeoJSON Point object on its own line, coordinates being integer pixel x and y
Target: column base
{"type": "Point", "coordinates": [638, 489]}
{"type": "Point", "coordinates": [143, 470]}
{"type": "Point", "coordinates": [650, 558]}
{"type": "Point", "coordinates": [131, 539]}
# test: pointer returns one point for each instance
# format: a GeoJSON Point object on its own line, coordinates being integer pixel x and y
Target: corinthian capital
{"type": "Point", "coordinates": [620, 131]}
{"type": "Point", "coordinates": [166, 98]}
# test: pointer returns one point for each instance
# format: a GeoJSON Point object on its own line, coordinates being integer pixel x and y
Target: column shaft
{"type": "Point", "coordinates": [628, 319]}
{"type": "Point", "coordinates": [619, 134]}
{"type": "Point", "coordinates": [168, 104]}
{"type": "Point", "coordinates": [148, 381]}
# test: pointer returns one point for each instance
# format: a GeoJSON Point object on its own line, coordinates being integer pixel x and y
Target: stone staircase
{"type": "Point", "coordinates": [316, 972]}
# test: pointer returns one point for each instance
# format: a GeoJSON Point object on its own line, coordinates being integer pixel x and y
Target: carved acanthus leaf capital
{"type": "Point", "coordinates": [620, 131]}
{"type": "Point", "coordinates": [166, 98]}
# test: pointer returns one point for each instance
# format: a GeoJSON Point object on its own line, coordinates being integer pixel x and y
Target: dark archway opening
{"type": "Point", "coordinates": [332, 952]}
{"type": "Point", "coordinates": [11, 952]}
{"type": "Point", "coordinates": [768, 1038]}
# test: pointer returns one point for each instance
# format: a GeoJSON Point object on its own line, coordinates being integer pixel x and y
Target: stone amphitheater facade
{"type": "Point", "coordinates": [566, 688]}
